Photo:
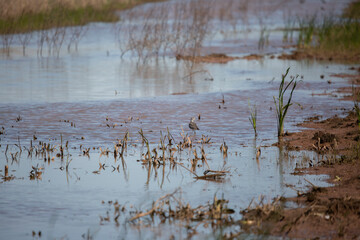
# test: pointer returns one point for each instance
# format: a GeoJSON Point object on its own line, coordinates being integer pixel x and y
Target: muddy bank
{"type": "Point", "coordinates": [350, 93]}
{"type": "Point", "coordinates": [332, 212]}
{"type": "Point", "coordinates": [326, 213]}
{"type": "Point", "coordinates": [217, 58]}
{"type": "Point", "coordinates": [311, 54]}
{"type": "Point", "coordinates": [336, 135]}
{"type": "Point", "coordinates": [211, 58]}
{"type": "Point", "coordinates": [17, 8]}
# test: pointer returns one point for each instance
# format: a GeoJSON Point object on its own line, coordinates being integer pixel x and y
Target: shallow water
{"type": "Point", "coordinates": [101, 97]}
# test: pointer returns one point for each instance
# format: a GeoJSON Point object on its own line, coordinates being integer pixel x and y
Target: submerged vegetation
{"type": "Point", "coordinates": [170, 208]}
{"type": "Point", "coordinates": [178, 29]}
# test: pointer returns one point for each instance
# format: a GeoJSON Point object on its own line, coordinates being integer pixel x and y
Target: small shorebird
{"type": "Point", "coordinates": [192, 124]}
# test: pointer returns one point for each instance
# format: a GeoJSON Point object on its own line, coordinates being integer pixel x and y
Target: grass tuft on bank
{"type": "Point", "coordinates": [330, 35]}
{"type": "Point", "coordinates": [353, 10]}
{"type": "Point", "coordinates": [60, 14]}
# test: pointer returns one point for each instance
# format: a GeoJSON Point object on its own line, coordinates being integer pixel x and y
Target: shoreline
{"type": "Point", "coordinates": [20, 17]}
{"type": "Point", "coordinates": [321, 212]}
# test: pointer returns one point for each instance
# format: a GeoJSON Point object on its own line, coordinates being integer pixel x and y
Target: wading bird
{"type": "Point", "coordinates": [192, 124]}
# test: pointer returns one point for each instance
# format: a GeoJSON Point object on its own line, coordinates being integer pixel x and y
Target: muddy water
{"type": "Point", "coordinates": [92, 98]}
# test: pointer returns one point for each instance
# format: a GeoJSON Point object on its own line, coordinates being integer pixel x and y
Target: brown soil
{"type": "Point", "coordinates": [350, 93]}
{"type": "Point", "coordinates": [211, 58]}
{"type": "Point", "coordinates": [302, 54]}
{"type": "Point", "coordinates": [18, 7]}
{"type": "Point", "coordinates": [217, 58]}
{"type": "Point", "coordinates": [253, 57]}
{"type": "Point", "coordinates": [336, 134]}
{"type": "Point", "coordinates": [339, 135]}
{"type": "Point", "coordinates": [352, 78]}
{"type": "Point", "coordinates": [324, 213]}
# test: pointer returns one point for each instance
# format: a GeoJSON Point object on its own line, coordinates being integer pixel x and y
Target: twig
{"type": "Point", "coordinates": [7, 147]}
{"type": "Point", "coordinates": [186, 168]}
{"type": "Point", "coordinates": [154, 208]}
{"type": "Point", "coordinates": [314, 186]}
{"type": "Point", "coordinates": [19, 144]}
{"type": "Point", "coordinates": [193, 73]}
{"type": "Point", "coordinates": [211, 176]}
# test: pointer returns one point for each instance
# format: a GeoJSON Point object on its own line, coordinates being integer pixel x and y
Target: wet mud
{"type": "Point", "coordinates": [313, 55]}
{"type": "Point", "coordinates": [331, 212]}
{"type": "Point", "coordinates": [211, 58]}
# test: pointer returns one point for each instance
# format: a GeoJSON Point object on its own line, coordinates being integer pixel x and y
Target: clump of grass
{"type": "Point", "coordinates": [57, 17]}
{"type": "Point", "coordinates": [264, 38]}
{"type": "Point", "coordinates": [330, 35]}
{"type": "Point", "coordinates": [307, 29]}
{"type": "Point", "coordinates": [281, 108]}
{"type": "Point", "coordinates": [342, 34]}
{"type": "Point", "coordinates": [60, 14]}
{"type": "Point", "coordinates": [353, 10]}
{"type": "Point", "coordinates": [253, 116]}
{"type": "Point", "coordinates": [257, 213]}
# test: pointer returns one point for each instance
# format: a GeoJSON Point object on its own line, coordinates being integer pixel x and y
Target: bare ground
{"type": "Point", "coordinates": [323, 213]}
{"type": "Point", "coordinates": [211, 58]}
{"type": "Point", "coordinates": [312, 54]}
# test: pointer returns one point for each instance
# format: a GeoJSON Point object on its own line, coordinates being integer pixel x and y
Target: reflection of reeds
{"type": "Point", "coordinates": [224, 149]}
{"type": "Point", "coordinates": [7, 39]}
{"type": "Point", "coordinates": [43, 14]}
{"type": "Point", "coordinates": [264, 38]}
{"type": "Point", "coordinates": [36, 173]}
{"type": "Point", "coordinates": [75, 35]}
{"type": "Point", "coordinates": [6, 176]}
{"type": "Point", "coordinates": [307, 28]}
{"type": "Point", "coordinates": [159, 34]}
{"type": "Point", "coordinates": [144, 140]}
{"type": "Point", "coordinates": [288, 31]}
{"type": "Point", "coordinates": [171, 208]}
{"type": "Point", "coordinates": [67, 163]}
{"type": "Point", "coordinates": [50, 18]}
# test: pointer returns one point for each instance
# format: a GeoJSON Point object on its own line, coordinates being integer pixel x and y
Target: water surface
{"type": "Point", "coordinates": [92, 97]}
